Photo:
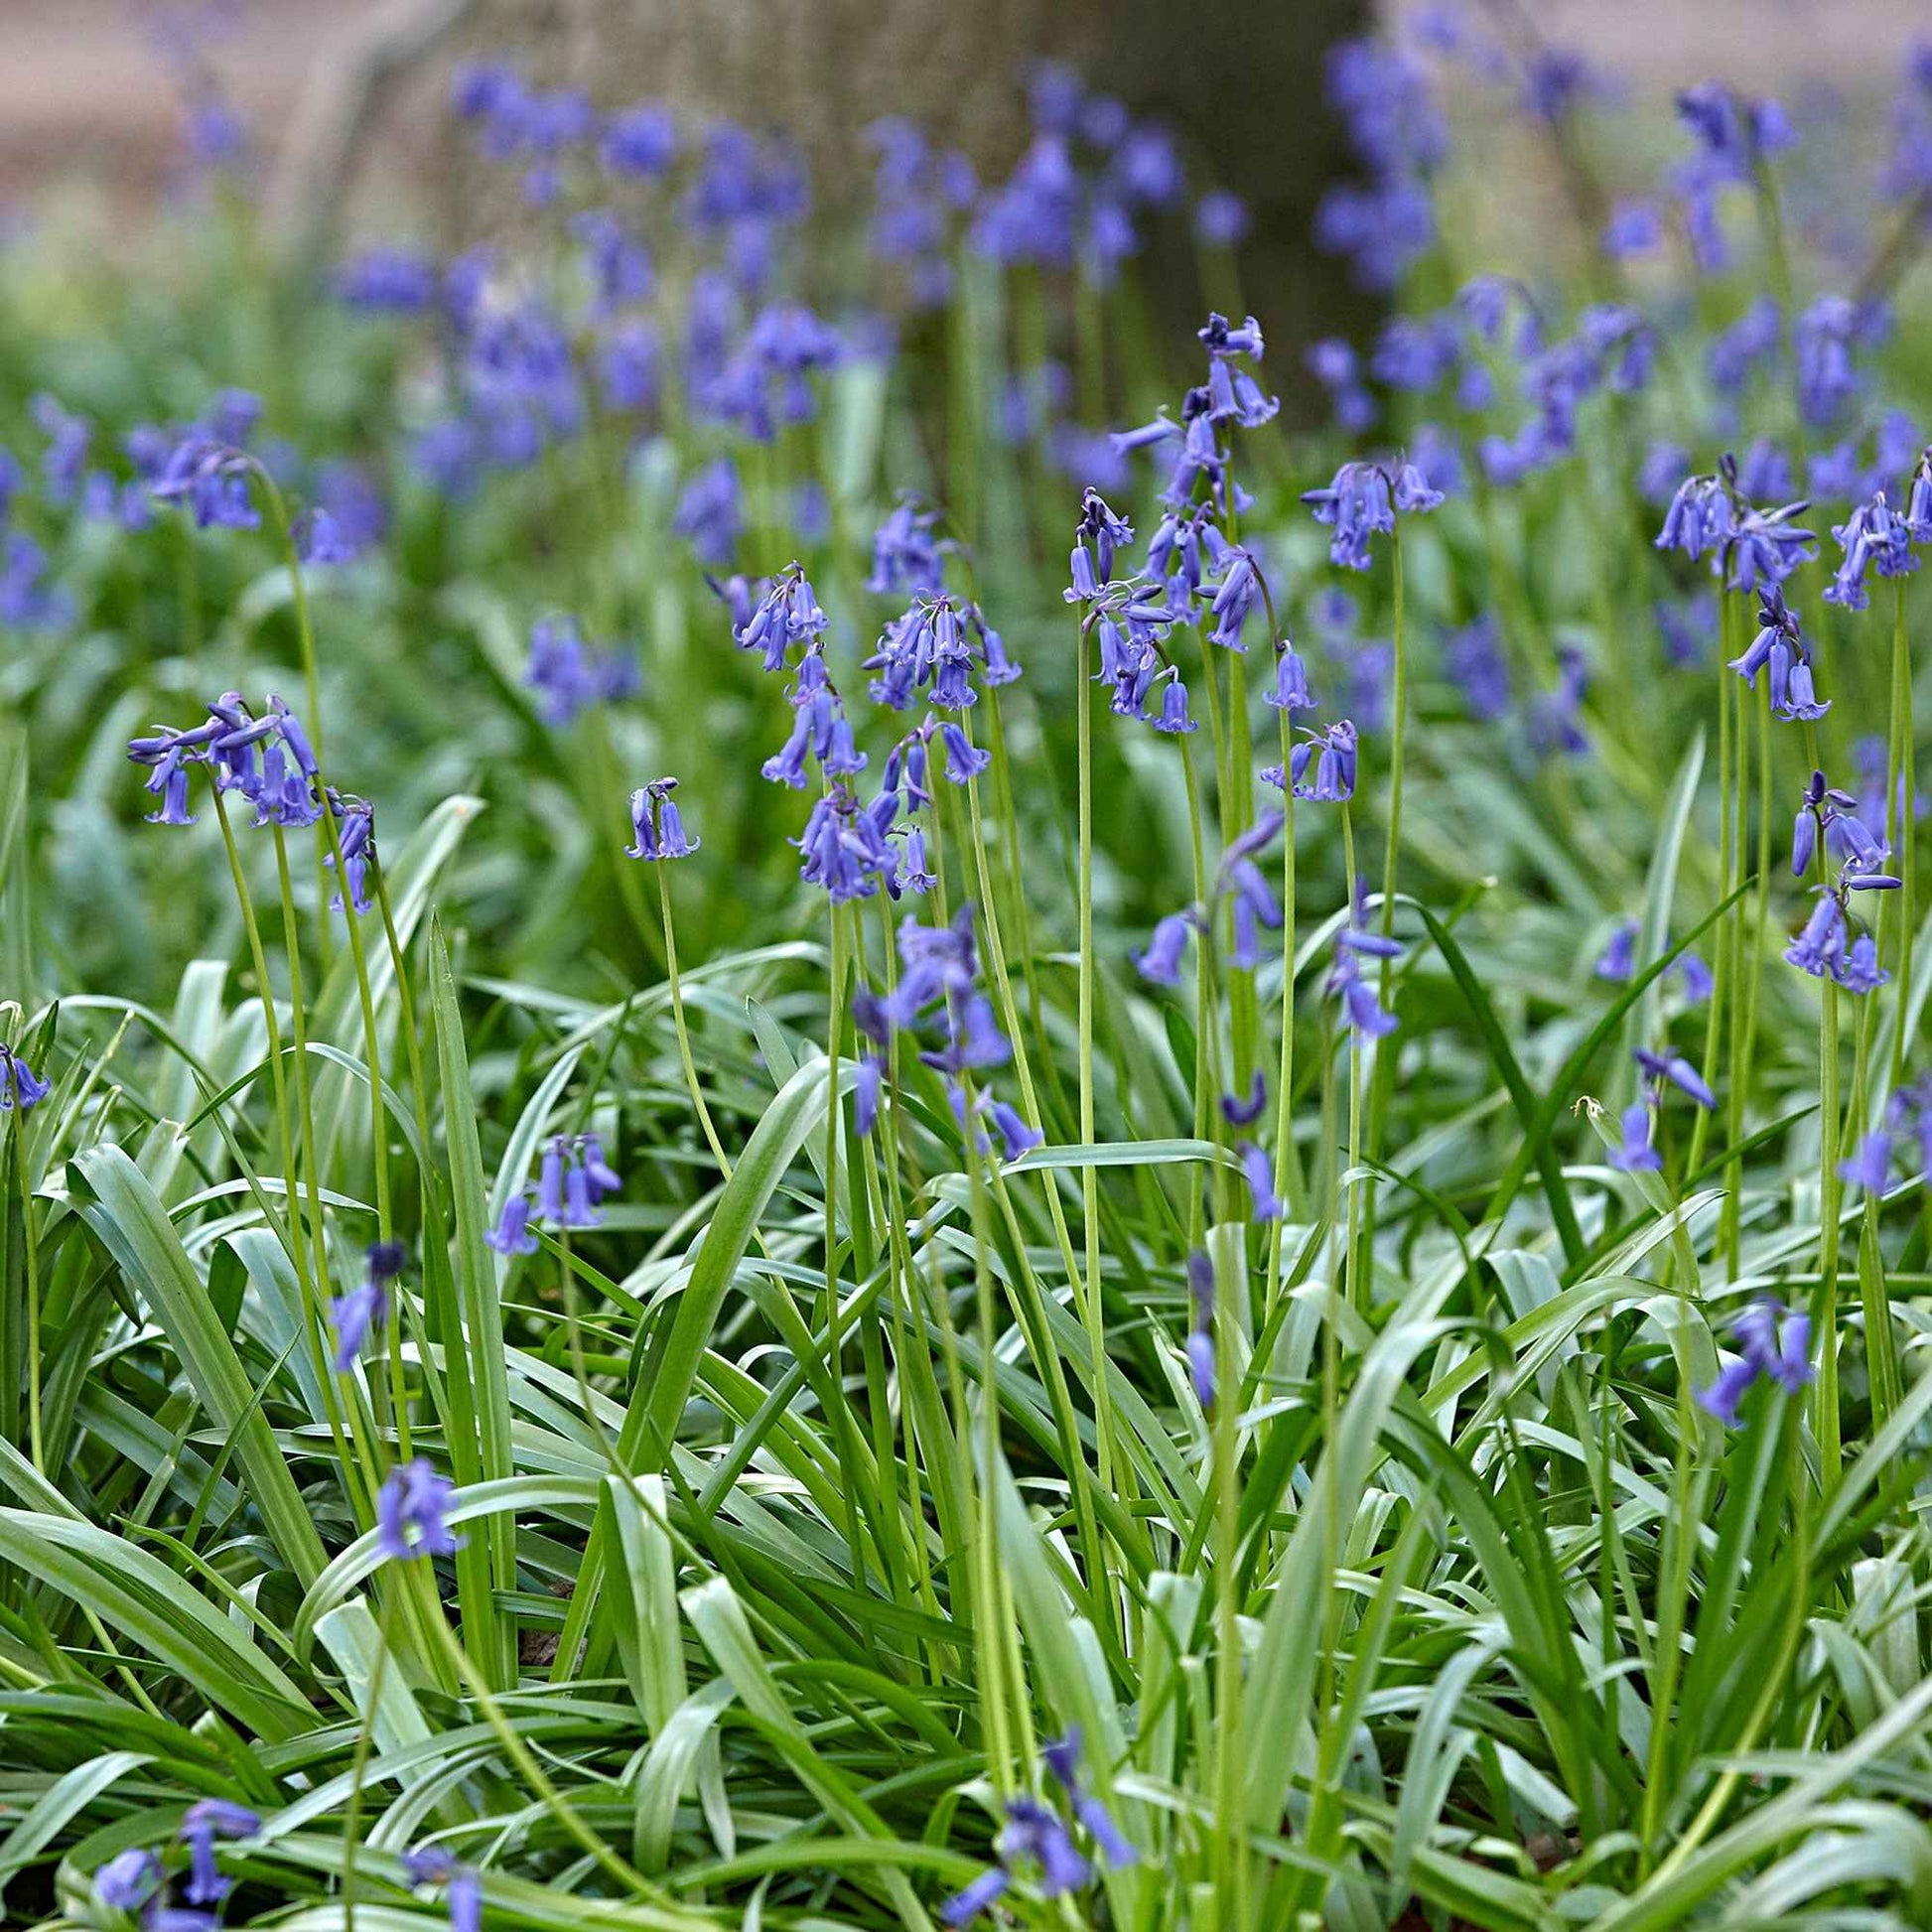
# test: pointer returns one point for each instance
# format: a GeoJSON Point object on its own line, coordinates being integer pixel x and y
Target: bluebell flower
{"type": "Point", "coordinates": [964, 759]}
{"type": "Point", "coordinates": [1240, 1112]}
{"type": "Point", "coordinates": [1780, 651]}
{"type": "Point", "coordinates": [1221, 218]}
{"type": "Point", "coordinates": [630, 365]}
{"type": "Point", "coordinates": [1861, 972]}
{"type": "Point", "coordinates": [1775, 1344]}
{"type": "Point", "coordinates": [1016, 1137]}
{"type": "Point", "coordinates": [1868, 1165]}
{"type": "Point", "coordinates": [68, 438]}
{"type": "Point", "coordinates": [1873, 537]}
{"type": "Point", "coordinates": [1359, 504]}
{"type": "Point", "coordinates": [1201, 1364]}
{"type": "Point", "coordinates": [1033, 1831]}
{"type": "Point", "coordinates": [1700, 517]}
{"type": "Point", "coordinates": [1661, 471]}
{"type": "Point", "coordinates": [1820, 947]}
{"type": "Point", "coordinates": [1909, 1111]}
{"type": "Point", "coordinates": [1695, 983]}
{"type": "Point", "coordinates": [1635, 228]}
{"type": "Point", "coordinates": [1474, 656]}
{"type": "Point", "coordinates": [1750, 342]}
{"type": "Point", "coordinates": [906, 554]}
{"type": "Point", "coordinates": [433, 1865]}
{"type": "Point", "coordinates": [866, 1090]}
{"type": "Point", "coordinates": [1353, 944]}
{"type": "Point", "coordinates": [389, 281]}
{"type": "Point", "coordinates": [1766, 547]}
{"type": "Point", "coordinates": [1675, 1068]}
{"type": "Point", "coordinates": [1332, 363]}
{"type": "Point", "coordinates": [1558, 77]}
{"type": "Point", "coordinates": [639, 141]}
{"type": "Point", "coordinates": [1635, 1153]}
{"type": "Point", "coordinates": [1383, 228]}
{"type": "Point", "coordinates": [708, 514]}
{"type": "Point", "coordinates": [1264, 1203]}
{"type": "Point", "coordinates": [657, 824]}
{"type": "Point", "coordinates": [1554, 725]}
{"type": "Point", "coordinates": [410, 1511]}
{"type": "Point", "coordinates": [968, 1903]}
{"type": "Point", "coordinates": [1332, 752]}
{"type": "Point", "coordinates": [1618, 960]}
{"type": "Point", "coordinates": [1161, 962]}
{"type": "Point", "coordinates": [569, 677]}
{"type": "Point", "coordinates": [1765, 471]}
{"type": "Point", "coordinates": [321, 543]}
{"type": "Point", "coordinates": [1237, 594]}
{"type": "Point", "coordinates": [1735, 132]}
{"type": "Point", "coordinates": [1384, 97]}
{"type": "Point", "coordinates": [511, 1235]}
{"type": "Point", "coordinates": [1822, 340]}
{"type": "Point", "coordinates": [1687, 628]}
{"type": "Point", "coordinates": [127, 1881]}
{"type": "Point", "coordinates": [787, 614]}
{"type": "Point", "coordinates": [844, 849]}
{"type": "Point", "coordinates": [1290, 690]}
{"type": "Point", "coordinates": [1174, 716]}
{"type": "Point", "coordinates": [1417, 352]}
{"type": "Point", "coordinates": [366, 1309]}
{"type": "Point", "coordinates": [1063, 1759]}
{"type": "Point", "coordinates": [18, 1086]}
{"type": "Point", "coordinates": [205, 1821]}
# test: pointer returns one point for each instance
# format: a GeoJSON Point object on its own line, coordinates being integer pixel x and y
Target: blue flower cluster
{"type": "Point", "coordinates": [939, 1006]}
{"type": "Point", "coordinates": [573, 1178]}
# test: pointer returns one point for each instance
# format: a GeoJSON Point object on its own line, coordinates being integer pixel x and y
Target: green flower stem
{"type": "Point", "coordinates": [1358, 1289]}
{"type": "Point", "coordinates": [17, 1134]}
{"type": "Point", "coordinates": [1721, 992]}
{"type": "Point", "coordinates": [310, 1151]}
{"type": "Point", "coordinates": [290, 1233]}
{"type": "Point", "coordinates": [841, 1418]}
{"type": "Point", "coordinates": [1091, 1309]}
{"type": "Point", "coordinates": [679, 1027]}
{"type": "Point", "coordinates": [1823, 1313]}
{"type": "Point", "coordinates": [1900, 770]}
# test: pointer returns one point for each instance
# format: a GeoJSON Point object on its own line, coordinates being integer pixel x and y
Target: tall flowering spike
{"type": "Point", "coordinates": [1357, 505]}
{"type": "Point", "coordinates": [1700, 517]}
{"type": "Point", "coordinates": [409, 1513]}
{"type": "Point", "coordinates": [1873, 538]}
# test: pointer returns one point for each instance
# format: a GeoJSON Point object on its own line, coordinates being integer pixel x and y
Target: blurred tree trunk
{"type": "Point", "coordinates": [1240, 84]}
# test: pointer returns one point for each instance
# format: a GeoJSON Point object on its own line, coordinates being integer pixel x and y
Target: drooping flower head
{"type": "Point", "coordinates": [657, 825]}
{"type": "Point", "coordinates": [1775, 1346]}
{"type": "Point", "coordinates": [410, 1511]}
{"type": "Point", "coordinates": [205, 1821]}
